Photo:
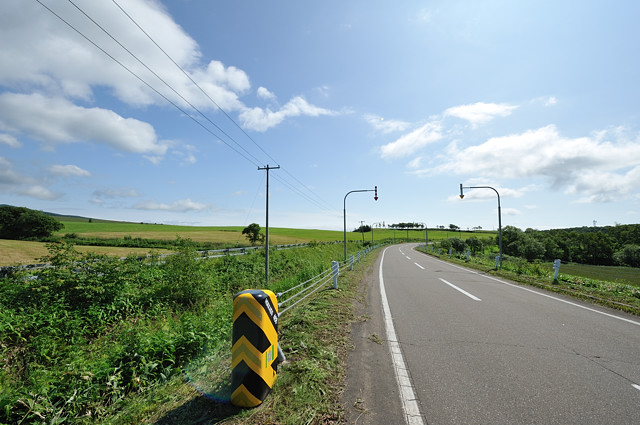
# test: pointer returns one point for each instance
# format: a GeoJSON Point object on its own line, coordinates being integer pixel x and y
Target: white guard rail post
{"type": "Point", "coordinates": [335, 268]}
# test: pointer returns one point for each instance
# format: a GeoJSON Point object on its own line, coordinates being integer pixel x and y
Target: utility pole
{"type": "Point", "coordinates": [266, 242]}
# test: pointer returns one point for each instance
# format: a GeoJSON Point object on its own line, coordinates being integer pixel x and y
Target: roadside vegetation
{"type": "Point", "coordinates": [94, 339]}
{"type": "Point", "coordinates": [98, 339]}
{"type": "Point", "coordinates": [617, 287]}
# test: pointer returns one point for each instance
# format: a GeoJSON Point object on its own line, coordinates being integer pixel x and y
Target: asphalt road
{"type": "Point", "coordinates": [479, 350]}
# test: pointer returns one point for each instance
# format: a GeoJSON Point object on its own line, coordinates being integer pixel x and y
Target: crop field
{"type": "Point", "coordinates": [233, 234]}
{"type": "Point", "coordinates": [24, 252]}
{"type": "Point", "coordinates": [629, 275]}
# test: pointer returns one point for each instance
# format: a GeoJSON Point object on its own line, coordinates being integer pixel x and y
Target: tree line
{"type": "Point", "coordinates": [24, 223]}
{"type": "Point", "coordinates": [606, 245]}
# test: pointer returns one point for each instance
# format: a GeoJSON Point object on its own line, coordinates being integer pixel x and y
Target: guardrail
{"type": "Point", "coordinates": [305, 289]}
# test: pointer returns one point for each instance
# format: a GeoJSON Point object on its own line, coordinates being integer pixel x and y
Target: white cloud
{"type": "Point", "coordinates": [409, 143]}
{"type": "Point", "coordinates": [260, 119]}
{"type": "Point", "coordinates": [68, 171]}
{"type": "Point", "coordinates": [58, 121]}
{"type": "Point", "coordinates": [38, 192]}
{"type": "Point", "coordinates": [510, 211]}
{"type": "Point", "coordinates": [552, 100]}
{"type": "Point", "coordinates": [415, 163]}
{"type": "Point", "coordinates": [385, 126]}
{"type": "Point", "coordinates": [591, 166]}
{"type": "Point", "coordinates": [9, 141]}
{"type": "Point", "coordinates": [183, 205]}
{"type": "Point", "coordinates": [13, 182]}
{"type": "Point", "coordinates": [8, 177]}
{"type": "Point", "coordinates": [115, 193]}
{"type": "Point", "coordinates": [265, 94]}
{"type": "Point", "coordinates": [37, 48]}
{"type": "Point", "coordinates": [480, 112]}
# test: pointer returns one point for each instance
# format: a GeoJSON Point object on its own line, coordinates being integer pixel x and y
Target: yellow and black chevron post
{"type": "Point", "coordinates": [254, 355]}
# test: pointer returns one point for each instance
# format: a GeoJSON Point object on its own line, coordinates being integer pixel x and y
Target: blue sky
{"type": "Point", "coordinates": [536, 99]}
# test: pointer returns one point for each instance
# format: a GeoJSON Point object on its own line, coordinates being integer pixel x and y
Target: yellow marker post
{"type": "Point", "coordinates": [254, 354]}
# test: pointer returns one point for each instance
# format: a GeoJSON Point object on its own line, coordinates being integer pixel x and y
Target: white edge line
{"type": "Point", "coordinates": [473, 297]}
{"type": "Point", "coordinates": [549, 296]}
{"type": "Point", "coordinates": [410, 406]}
{"type": "Point", "coordinates": [419, 265]}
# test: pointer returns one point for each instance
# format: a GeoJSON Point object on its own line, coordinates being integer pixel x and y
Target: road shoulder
{"type": "Point", "coordinates": [371, 393]}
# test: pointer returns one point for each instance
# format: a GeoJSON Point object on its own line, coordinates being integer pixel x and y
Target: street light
{"type": "Point", "coordinates": [372, 226]}
{"type": "Point", "coordinates": [344, 211]}
{"type": "Point", "coordinates": [499, 215]}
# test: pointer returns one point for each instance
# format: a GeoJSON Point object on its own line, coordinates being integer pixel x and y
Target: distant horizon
{"type": "Point", "coordinates": [307, 228]}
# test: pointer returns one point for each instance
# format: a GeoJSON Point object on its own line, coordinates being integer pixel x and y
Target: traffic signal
{"type": "Point", "coordinates": [375, 196]}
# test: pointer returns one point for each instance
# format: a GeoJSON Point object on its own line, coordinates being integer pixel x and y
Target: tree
{"type": "Point", "coordinates": [363, 229]}
{"type": "Point", "coordinates": [454, 227]}
{"type": "Point", "coordinates": [252, 233]}
{"type": "Point", "coordinates": [457, 244]}
{"type": "Point", "coordinates": [24, 223]}
{"type": "Point", "coordinates": [474, 244]}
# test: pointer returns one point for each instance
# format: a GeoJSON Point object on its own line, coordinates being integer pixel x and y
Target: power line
{"type": "Point", "coordinates": [253, 159]}
{"type": "Point", "coordinates": [192, 80]}
{"type": "Point", "coordinates": [216, 104]}
{"type": "Point", "coordinates": [146, 83]}
{"type": "Point", "coordinates": [162, 80]}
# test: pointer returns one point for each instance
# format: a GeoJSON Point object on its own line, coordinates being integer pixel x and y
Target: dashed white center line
{"type": "Point", "coordinates": [419, 265]}
{"type": "Point", "coordinates": [637, 387]}
{"type": "Point", "coordinates": [473, 297]}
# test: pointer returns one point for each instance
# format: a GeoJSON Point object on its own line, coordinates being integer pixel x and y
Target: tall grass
{"type": "Point", "coordinates": [90, 331]}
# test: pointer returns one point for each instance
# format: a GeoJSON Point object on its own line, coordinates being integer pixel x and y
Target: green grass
{"type": "Point", "coordinates": [629, 275]}
{"type": "Point", "coordinates": [122, 236]}
{"type": "Point", "coordinates": [598, 287]}
{"type": "Point", "coordinates": [97, 340]}
{"type": "Point", "coordinates": [234, 233]}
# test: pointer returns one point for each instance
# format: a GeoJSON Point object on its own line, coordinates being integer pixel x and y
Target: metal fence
{"type": "Point", "coordinates": [212, 253]}
{"type": "Point", "coordinates": [300, 292]}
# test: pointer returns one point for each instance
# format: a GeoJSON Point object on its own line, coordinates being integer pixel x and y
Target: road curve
{"type": "Point", "coordinates": [483, 350]}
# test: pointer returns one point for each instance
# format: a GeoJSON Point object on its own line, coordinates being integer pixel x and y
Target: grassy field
{"type": "Point", "coordinates": [22, 252]}
{"type": "Point", "coordinates": [130, 342]}
{"type": "Point", "coordinates": [233, 234]}
{"type": "Point", "coordinates": [628, 275]}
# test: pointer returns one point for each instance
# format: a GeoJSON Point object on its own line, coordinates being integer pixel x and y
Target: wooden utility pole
{"type": "Point", "coordinates": [266, 242]}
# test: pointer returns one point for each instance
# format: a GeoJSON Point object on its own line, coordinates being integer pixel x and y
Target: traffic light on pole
{"type": "Point", "coordinates": [375, 196]}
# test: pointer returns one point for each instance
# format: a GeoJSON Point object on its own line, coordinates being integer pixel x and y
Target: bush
{"type": "Point", "coordinates": [23, 223]}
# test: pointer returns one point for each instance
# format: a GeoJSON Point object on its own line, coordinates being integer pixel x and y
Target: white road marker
{"type": "Point", "coordinates": [419, 265]}
{"type": "Point", "coordinates": [473, 297]}
{"type": "Point", "coordinates": [410, 407]}
{"type": "Point", "coordinates": [637, 387]}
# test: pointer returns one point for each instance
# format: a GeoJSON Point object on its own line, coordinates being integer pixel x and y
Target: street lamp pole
{"type": "Point", "coordinates": [372, 226]}
{"type": "Point", "coordinates": [426, 237]}
{"type": "Point", "coordinates": [499, 214]}
{"type": "Point", "coordinates": [344, 212]}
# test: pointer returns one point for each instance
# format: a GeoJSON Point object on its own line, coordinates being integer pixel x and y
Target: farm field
{"type": "Point", "coordinates": [25, 252]}
{"type": "Point", "coordinates": [629, 275]}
